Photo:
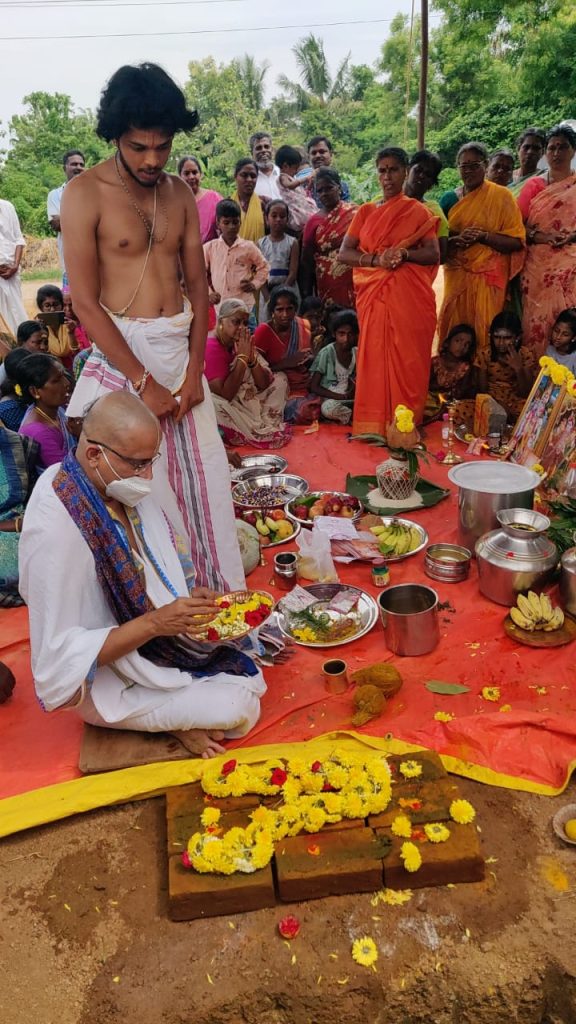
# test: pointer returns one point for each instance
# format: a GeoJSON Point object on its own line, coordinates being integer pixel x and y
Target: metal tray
{"type": "Point", "coordinates": [294, 485]}
{"type": "Point", "coordinates": [325, 592]}
{"type": "Point", "coordinates": [259, 465]}
{"type": "Point", "coordinates": [318, 494]}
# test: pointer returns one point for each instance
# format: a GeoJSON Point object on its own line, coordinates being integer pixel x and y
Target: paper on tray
{"type": "Point", "coordinates": [337, 527]}
{"type": "Point", "coordinates": [297, 600]}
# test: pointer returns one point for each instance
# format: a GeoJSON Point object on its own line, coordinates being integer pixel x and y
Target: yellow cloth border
{"type": "Point", "coordinates": [52, 803]}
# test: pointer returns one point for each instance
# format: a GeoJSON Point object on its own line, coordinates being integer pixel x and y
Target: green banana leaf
{"type": "Point", "coordinates": [360, 487]}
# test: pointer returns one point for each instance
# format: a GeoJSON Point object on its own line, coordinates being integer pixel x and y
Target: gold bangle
{"type": "Point", "coordinates": [242, 359]}
{"type": "Point", "coordinates": [18, 524]}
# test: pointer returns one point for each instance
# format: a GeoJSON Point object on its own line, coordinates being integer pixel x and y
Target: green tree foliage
{"type": "Point", "coordinates": [495, 68]}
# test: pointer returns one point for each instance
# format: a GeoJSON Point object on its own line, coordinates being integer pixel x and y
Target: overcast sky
{"type": "Point", "coordinates": [79, 67]}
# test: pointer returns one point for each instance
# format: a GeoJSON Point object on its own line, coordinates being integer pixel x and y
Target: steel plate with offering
{"type": "Point", "coordinates": [240, 612]}
{"type": "Point", "coordinates": [324, 503]}
{"type": "Point", "coordinates": [266, 492]}
{"type": "Point", "coordinates": [399, 538]}
{"type": "Point", "coordinates": [274, 526]}
{"type": "Point", "coordinates": [326, 614]}
{"type": "Point", "coordinates": [259, 465]}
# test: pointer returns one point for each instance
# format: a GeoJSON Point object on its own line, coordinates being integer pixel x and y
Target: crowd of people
{"type": "Point", "coordinates": [227, 319]}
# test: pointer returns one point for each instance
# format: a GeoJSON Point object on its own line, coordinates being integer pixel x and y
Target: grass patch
{"type": "Point", "coordinates": [49, 274]}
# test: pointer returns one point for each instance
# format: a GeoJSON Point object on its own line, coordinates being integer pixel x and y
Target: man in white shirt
{"type": "Point", "coordinates": [261, 150]}
{"type": "Point", "coordinates": [74, 163]}
{"type": "Point", "coordinates": [117, 620]}
{"type": "Point", "coordinates": [12, 244]}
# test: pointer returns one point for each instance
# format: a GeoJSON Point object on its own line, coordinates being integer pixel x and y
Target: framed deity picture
{"type": "Point", "coordinates": [536, 420]}
{"type": "Point", "coordinates": [559, 452]}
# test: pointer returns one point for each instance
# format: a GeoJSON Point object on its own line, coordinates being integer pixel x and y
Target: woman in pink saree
{"type": "Point", "coordinates": [548, 204]}
{"type": "Point", "coordinates": [206, 198]}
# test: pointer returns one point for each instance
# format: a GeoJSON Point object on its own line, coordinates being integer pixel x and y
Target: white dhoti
{"type": "Point", "coordinates": [12, 311]}
{"type": "Point", "coordinates": [70, 621]}
{"type": "Point", "coordinates": [194, 458]}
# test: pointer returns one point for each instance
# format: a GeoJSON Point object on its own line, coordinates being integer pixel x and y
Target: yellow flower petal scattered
{"type": "Point", "coordinates": [462, 812]}
{"type": "Point", "coordinates": [541, 691]}
{"type": "Point", "coordinates": [443, 716]}
{"type": "Point", "coordinates": [410, 769]}
{"type": "Point", "coordinates": [436, 832]}
{"type": "Point", "coordinates": [210, 816]}
{"type": "Point", "coordinates": [505, 707]}
{"type": "Point", "coordinates": [393, 897]}
{"type": "Point", "coordinates": [411, 856]}
{"type": "Point", "coordinates": [402, 826]}
{"type": "Point", "coordinates": [365, 951]}
{"type": "Point", "coordinates": [491, 693]}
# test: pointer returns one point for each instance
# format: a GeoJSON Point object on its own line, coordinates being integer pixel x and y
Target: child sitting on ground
{"type": "Point", "coordinates": [292, 189]}
{"type": "Point", "coordinates": [312, 310]}
{"type": "Point", "coordinates": [333, 370]}
{"type": "Point", "coordinates": [562, 345]}
{"type": "Point", "coordinates": [235, 266]}
{"type": "Point", "coordinates": [61, 336]}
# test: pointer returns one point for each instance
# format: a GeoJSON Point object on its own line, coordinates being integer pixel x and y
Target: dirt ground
{"type": "Point", "coordinates": [85, 938]}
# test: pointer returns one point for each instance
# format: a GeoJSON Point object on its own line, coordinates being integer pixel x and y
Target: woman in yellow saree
{"type": "Point", "coordinates": [252, 218]}
{"type": "Point", "coordinates": [485, 250]}
{"type": "Point", "coordinates": [393, 248]}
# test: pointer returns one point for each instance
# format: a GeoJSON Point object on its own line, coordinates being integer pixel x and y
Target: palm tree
{"type": "Point", "coordinates": [251, 76]}
{"type": "Point", "coordinates": [317, 82]}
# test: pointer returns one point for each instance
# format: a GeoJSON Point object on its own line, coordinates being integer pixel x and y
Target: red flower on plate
{"type": "Point", "coordinates": [316, 766]}
{"type": "Point", "coordinates": [187, 863]}
{"type": "Point", "coordinates": [256, 617]}
{"type": "Point", "coordinates": [278, 777]}
{"type": "Point", "coordinates": [223, 604]}
{"type": "Point", "coordinates": [289, 927]}
{"type": "Point", "coordinates": [228, 767]}
{"type": "Point", "coordinates": [212, 635]}
{"type": "Point", "coordinates": [327, 788]}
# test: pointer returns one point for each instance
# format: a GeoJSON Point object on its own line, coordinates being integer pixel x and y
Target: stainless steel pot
{"type": "Point", "coordinates": [515, 558]}
{"type": "Point", "coordinates": [484, 489]}
{"type": "Point", "coordinates": [409, 614]}
{"type": "Point", "coordinates": [568, 580]}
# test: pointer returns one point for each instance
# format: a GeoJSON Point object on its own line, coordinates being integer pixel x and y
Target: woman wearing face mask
{"type": "Point", "coordinates": [248, 398]}
{"type": "Point", "coordinates": [45, 386]}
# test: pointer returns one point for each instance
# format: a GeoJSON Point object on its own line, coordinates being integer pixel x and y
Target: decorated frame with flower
{"type": "Point", "coordinates": [537, 418]}
{"type": "Point", "coordinates": [559, 452]}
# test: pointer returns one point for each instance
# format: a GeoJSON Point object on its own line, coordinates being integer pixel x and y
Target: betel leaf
{"type": "Point", "coordinates": [437, 686]}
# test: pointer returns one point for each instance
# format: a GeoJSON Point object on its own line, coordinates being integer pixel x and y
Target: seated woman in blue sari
{"type": "Point", "coordinates": [17, 474]}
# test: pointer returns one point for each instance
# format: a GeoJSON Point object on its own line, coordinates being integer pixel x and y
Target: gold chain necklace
{"type": "Point", "coordinates": [45, 416]}
{"type": "Point", "coordinates": [149, 225]}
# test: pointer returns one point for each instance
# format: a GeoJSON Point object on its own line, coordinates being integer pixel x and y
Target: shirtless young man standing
{"type": "Point", "coordinates": [128, 228]}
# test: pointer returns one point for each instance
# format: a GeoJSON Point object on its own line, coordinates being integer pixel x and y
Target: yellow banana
{"type": "Point", "coordinates": [547, 609]}
{"type": "Point", "coordinates": [378, 530]}
{"type": "Point", "coordinates": [525, 607]}
{"type": "Point", "coordinates": [263, 530]}
{"type": "Point", "coordinates": [521, 620]}
{"type": "Point", "coordinates": [555, 622]}
{"type": "Point", "coordinates": [535, 604]}
{"type": "Point", "coordinates": [415, 538]}
{"type": "Point", "coordinates": [271, 524]}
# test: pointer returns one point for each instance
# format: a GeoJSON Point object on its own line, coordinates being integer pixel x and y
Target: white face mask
{"type": "Point", "coordinates": [128, 490]}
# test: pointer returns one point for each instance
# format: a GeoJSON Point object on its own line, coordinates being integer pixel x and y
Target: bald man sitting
{"type": "Point", "coordinates": [110, 590]}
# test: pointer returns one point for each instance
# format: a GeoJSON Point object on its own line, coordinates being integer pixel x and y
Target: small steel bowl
{"type": "Point", "coordinates": [243, 491]}
{"type": "Point", "coordinates": [259, 465]}
{"type": "Point", "coordinates": [449, 563]}
{"type": "Point", "coordinates": [559, 820]}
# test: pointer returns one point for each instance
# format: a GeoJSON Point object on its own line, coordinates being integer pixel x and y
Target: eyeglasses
{"type": "Point", "coordinates": [472, 166]}
{"type": "Point", "coordinates": [138, 465]}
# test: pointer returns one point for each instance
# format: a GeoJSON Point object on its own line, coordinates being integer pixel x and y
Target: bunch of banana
{"type": "Point", "coordinates": [396, 539]}
{"type": "Point", "coordinates": [535, 611]}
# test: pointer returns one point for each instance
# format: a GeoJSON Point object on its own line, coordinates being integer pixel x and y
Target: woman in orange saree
{"type": "Point", "coordinates": [485, 250]}
{"type": "Point", "coordinates": [393, 248]}
{"type": "Point", "coordinates": [548, 203]}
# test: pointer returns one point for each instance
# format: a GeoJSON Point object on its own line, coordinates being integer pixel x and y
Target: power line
{"type": "Point", "coordinates": [97, 4]}
{"type": "Point", "coordinates": [195, 32]}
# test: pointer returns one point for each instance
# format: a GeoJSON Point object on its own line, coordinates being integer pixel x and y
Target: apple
{"type": "Point", "coordinates": [250, 517]}
{"type": "Point", "coordinates": [277, 514]}
{"type": "Point", "coordinates": [300, 511]}
{"type": "Point", "coordinates": [347, 512]}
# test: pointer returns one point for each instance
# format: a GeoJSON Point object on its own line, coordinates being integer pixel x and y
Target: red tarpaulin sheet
{"type": "Point", "coordinates": [526, 739]}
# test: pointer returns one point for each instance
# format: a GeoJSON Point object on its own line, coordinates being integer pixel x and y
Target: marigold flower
{"type": "Point", "coordinates": [289, 927]}
{"type": "Point", "coordinates": [462, 812]}
{"type": "Point", "coordinates": [410, 769]}
{"type": "Point", "coordinates": [436, 832]}
{"type": "Point", "coordinates": [402, 826]}
{"type": "Point", "coordinates": [491, 693]}
{"type": "Point", "coordinates": [443, 716]}
{"type": "Point", "coordinates": [365, 951]}
{"type": "Point", "coordinates": [411, 856]}
{"type": "Point", "coordinates": [210, 816]}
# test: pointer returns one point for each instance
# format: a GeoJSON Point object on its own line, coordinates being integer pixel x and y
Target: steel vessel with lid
{"type": "Point", "coordinates": [568, 580]}
{"type": "Point", "coordinates": [517, 557]}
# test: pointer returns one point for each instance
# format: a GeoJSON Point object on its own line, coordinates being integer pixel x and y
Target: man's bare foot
{"type": "Point", "coordinates": [201, 741]}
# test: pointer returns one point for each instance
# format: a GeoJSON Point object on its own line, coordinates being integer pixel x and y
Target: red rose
{"type": "Point", "coordinates": [223, 604]}
{"type": "Point", "coordinates": [327, 788]}
{"type": "Point", "coordinates": [252, 619]}
{"type": "Point", "coordinates": [316, 766]}
{"type": "Point", "coordinates": [289, 927]}
{"type": "Point", "coordinates": [212, 634]}
{"type": "Point", "coordinates": [187, 863]}
{"type": "Point", "coordinates": [227, 768]}
{"type": "Point", "coordinates": [278, 777]}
